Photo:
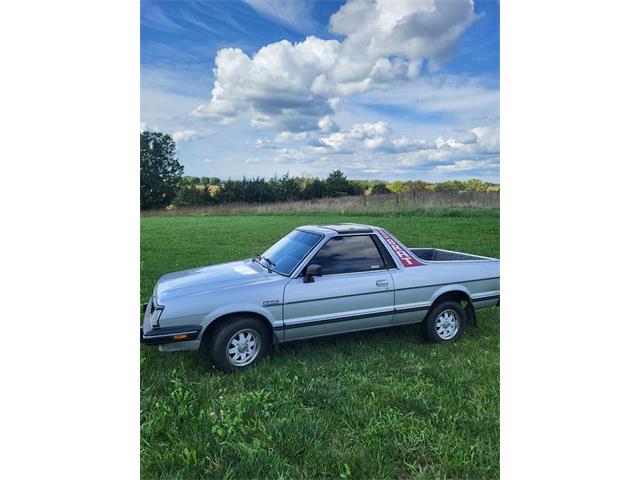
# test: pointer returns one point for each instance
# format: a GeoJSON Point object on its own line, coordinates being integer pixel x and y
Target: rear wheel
{"type": "Point", "coordinates": [445, 323]}
{"type": "Point", "coordinates": [239, 344]}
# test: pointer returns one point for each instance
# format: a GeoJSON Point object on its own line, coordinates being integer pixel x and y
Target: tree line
{"type": "Point", "coordinates": [162, 183]}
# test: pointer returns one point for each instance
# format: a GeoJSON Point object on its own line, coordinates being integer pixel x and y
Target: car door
{"type": "Point", "coordinates": [355, 291]}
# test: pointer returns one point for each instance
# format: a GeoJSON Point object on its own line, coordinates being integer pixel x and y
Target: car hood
{"type": "Point", "coordinates": [203, 279]}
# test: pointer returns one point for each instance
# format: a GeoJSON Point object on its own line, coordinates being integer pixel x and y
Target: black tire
{"type": "Point", "coordinates": [216, 347]}
{"type": "Point", "coordinates": [441, 333]}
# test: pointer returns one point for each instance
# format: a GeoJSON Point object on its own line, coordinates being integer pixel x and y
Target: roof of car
{"type": "Point", "coordinates": [348, 228]}
{"type": "Point", "coordinates": [341, 228]}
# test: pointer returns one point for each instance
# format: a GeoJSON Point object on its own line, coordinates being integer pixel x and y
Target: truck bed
{"type": "Point", "coordinates": [437, 255]}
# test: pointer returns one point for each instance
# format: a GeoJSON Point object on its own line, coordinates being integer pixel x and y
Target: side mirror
{"type": "Point", "coordinates": [311, 271]}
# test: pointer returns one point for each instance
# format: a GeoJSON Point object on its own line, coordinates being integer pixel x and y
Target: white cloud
{"type": "Point", "coordinates": [326, 124]}
{"type": "Point", "coordinates": [415, 29]}
{"type": "Point", "coordinates": [476, 143]}
{"type": "Point", "coordinates": [466, 165]}
{"type": "Point", "coordinates": [274, 85]}
{"type": "Point", "coordinates": [291, 137]}
{"type": "Point", "coordinates": [488, 139]}
{"type": "Point", "coordinates": [262, 143]}
{"type": "Point", "coordinates": [372, 137]}
{"type": "Point", "coordinates": [293, 87]}
{"type": "Point", "coordinates": [295, 14]}
{"type": "Point", "coordinates": [185, 135]}
{"type": "Point", "coordinates": [375, 147]}
{"type": "Point", "coordinates": [361, 135]}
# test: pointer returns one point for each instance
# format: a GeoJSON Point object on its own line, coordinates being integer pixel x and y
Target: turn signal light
{"type": "Point", "coordinates": [180, 337]}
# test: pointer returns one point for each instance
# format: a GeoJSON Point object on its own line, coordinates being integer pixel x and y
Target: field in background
{"type": "Point", "coordinates": [381, 404]}
{"type": "Point", "coordinates": [417, 201]}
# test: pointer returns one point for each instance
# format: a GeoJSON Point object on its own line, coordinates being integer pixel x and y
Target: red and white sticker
{"type": "Point", "coordinates": [407, 259]}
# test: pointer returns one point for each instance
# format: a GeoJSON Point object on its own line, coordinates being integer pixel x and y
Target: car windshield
{"type": "Point", "coordinates": [288, 252]}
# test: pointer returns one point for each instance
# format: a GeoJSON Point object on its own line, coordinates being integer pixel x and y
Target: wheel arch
{"type": "Point", "coordinates": [216, 320]}
{"type": "Point", "coordinates": [458, 294]}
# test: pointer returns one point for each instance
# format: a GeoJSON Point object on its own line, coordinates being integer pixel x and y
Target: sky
{"type": "Point", "coordinates": [391, 90]}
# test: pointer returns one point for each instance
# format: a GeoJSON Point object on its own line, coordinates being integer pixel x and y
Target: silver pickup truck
{"type": "Point", "coordinates": [318, 280]}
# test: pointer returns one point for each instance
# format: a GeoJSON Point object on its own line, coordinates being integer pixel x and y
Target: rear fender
{"type": "Point", "coordinates": [457, 290]}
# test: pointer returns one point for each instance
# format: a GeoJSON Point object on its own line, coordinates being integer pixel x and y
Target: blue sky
{"type": "Point", "coordinates": [390, 90]}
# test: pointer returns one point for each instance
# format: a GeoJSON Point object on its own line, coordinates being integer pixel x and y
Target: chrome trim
{"type": "Point", "coordinates": [490, 295]}
{"type": "Point", "coordinates": [485, 299]}
{"type": "Point", "coordinates": [412, 306]}
{"type": "Point", "coordinates": [340, 317]}
{"type": "Point", "coordinates": [459, 282]}
{"type": "Point", "coordinates": [354, 273]}
{"type": "Point", "coordinates": [372, 292]}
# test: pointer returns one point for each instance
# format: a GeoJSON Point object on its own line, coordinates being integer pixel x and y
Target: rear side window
{"type": "Point", "coordinates": [348, 255]}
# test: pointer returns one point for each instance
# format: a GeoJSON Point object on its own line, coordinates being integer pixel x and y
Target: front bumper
{"type": "Point", "coordinates": [161, 336]}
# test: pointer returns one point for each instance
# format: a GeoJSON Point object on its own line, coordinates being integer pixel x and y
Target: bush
{"type": "Point", "coordinates": [379, 188]}
{"type": "Point", "coordinates": [190, 195]}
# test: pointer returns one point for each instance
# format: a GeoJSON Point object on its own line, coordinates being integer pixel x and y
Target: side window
{"type": "Point", "coordinates": [349, 255]}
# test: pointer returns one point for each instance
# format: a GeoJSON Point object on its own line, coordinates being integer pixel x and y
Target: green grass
{"type": "Point", "coordinates": [381, 404]}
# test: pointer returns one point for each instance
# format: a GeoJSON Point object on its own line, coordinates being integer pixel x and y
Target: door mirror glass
{"type": "Point", "coordinates": [311, 271]}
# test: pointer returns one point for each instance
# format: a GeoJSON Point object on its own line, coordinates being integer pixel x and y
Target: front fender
{"type": "Point", "coordinates": [236, 308]}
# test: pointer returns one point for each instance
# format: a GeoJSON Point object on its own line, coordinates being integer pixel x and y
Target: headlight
{"type": "Point", "coordinates": [156, 311]}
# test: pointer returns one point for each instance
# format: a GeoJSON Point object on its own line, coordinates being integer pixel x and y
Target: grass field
{"type": "Point", "coordinates": [381, 404]}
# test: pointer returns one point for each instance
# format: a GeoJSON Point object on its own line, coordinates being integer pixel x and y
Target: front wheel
{"type": "Point", "coordinates": [238, 344]}
{"type": "Point", "coordinates": [445, 323]}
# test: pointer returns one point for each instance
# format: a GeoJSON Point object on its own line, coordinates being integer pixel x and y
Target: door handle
{"type": "Point", "coordinates": [382, 283]}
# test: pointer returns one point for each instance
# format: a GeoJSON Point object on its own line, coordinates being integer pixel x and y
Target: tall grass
{"type": "Point", "coordinates": [364, 204]}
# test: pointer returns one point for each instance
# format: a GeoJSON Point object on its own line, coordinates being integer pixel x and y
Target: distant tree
{"type": "Point", "coordinates": [190, 194]}
{"type": "Point", "coordinates": [313, 188]}
{"type": "Point", "coordinates": [257, 190]}
{"type": "Point", "coordinates": [414, 186]}
{"type": "Point", "coordinates": [214, 180]}
{"type": "Point", "coordinates": [396, 187]}
{"type": "Point", "coordinates": [160, 170]}
{"type": "Point", "coordinates": [357, 187]}
{"type": "Point", "coordinates": [337, 184]}
{"type": "Point", "coordinates": [205, 180]}
{"type": "Point", "coordinates": [285, 188]}
{"type": "Point", "coordinates": [230, 191]}
{"type": "Point", "coordinates": [379, 188]}
{"type": "Point", "coordinates": [289, 188]}
{"type": "Point", "coordinates": [450, 186]}
{"type": "Point", "coordinates": [250, 190]}
{"type": "Point", "coordinates": [476, 185]}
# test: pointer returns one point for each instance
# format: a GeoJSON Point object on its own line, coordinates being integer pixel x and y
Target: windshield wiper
{"type": "Point", "coordinates": [268, 260]}
{"type": "Point", "coordinates": [269, 264]}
